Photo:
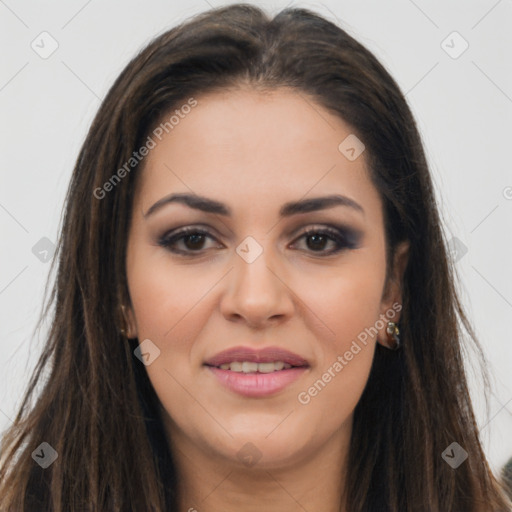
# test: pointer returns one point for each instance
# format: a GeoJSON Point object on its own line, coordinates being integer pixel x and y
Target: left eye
{"type": "Point", "coordinates": [193, 240]}
{"type": "Point", "coordinates": [319, 238]}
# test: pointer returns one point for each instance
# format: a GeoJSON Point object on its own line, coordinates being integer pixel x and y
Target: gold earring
{"type": "Point", "coordinates": [393, 332]}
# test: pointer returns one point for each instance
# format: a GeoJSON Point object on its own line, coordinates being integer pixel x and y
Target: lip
{"type": "Point", "coordinates": [264, 355]}
{"type": "Point", "coordinates": [257, 384]}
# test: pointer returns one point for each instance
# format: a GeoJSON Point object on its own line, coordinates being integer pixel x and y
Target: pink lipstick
{"type": "Point", "coordinates": [257, 373]}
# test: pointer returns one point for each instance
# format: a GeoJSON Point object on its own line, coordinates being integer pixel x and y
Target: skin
{"type": "Point", "coordinates": [255, 151]}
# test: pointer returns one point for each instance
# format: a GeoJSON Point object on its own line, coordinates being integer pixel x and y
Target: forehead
{"type": "Point", "coordinates": [248, 147]}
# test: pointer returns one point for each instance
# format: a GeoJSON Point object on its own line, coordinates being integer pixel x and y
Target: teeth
{"type": "Point", "coordinates": [251, 367]}
{"type": "Point", "coordinates": [270, 367]}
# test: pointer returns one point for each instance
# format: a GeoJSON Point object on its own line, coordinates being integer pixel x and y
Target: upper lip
{"type": "Point", "coordinates": [264, 355]}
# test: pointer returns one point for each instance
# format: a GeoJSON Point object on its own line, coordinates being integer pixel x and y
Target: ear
{"type": "Point", "coordinates": [130, 325]}
{"type": "Point", "coordinates": [391, 303]}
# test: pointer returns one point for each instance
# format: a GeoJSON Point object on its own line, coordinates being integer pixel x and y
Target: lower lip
{"type": "Point", "coordinates": [257, 384]}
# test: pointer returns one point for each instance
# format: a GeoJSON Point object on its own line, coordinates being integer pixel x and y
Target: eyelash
{"type": "Point", "coordinates": [344, 238]}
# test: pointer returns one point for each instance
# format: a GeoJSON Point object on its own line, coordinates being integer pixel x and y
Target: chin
{"type": "Point", "coordinates": [265, 447]}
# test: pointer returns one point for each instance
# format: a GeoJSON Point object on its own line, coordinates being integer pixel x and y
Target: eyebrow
{"type": "Point", "coordinates": [208, 205]}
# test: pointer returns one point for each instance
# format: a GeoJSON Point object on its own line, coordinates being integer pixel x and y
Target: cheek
{"type": "Point", "coordinates": [165, 295]}
{"type": "Point", "coordinates": [350, 308]}
{"type": "Point", "coordinates": [349, 305]}
{"type": "Point", "coordinates": [172, 304]}
{"type": "Point", "coordinates": [346, 299]}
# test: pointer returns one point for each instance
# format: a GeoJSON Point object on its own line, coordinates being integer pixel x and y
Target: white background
{"type": "Point", "coordinates": [463, 106]}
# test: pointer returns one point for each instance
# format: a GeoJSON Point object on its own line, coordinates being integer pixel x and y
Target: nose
{"type": "Point", "coordinates": [257, 293]}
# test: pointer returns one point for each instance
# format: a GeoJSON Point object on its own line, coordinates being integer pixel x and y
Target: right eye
{"type": "Point", "coordinates": [192, 240]}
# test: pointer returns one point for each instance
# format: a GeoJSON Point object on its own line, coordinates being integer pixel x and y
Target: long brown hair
{"type": "Point", "coordinates": [96, 406]}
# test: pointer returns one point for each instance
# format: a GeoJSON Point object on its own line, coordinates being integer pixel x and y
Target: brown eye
{"type": "Point", "coordinates": [196, 240]}
{"type": "Point", "coordinates": [317, 239]}
{"type": "Point", "coordinates": [192, 240]}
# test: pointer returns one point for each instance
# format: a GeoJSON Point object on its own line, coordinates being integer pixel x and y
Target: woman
{"type": "Point", "coordinates": [254, 308]}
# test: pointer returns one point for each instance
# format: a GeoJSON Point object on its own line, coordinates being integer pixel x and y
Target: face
{"type": "Point", "coordinates": [255, 273]}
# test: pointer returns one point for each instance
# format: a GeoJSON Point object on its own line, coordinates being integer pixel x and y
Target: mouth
{"type": "Point", "coordinates": [249, 367]}
{"type": "Point", "coordinates": [250, 360]}
{"type": "Point", "coordinates": [253, 373]}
